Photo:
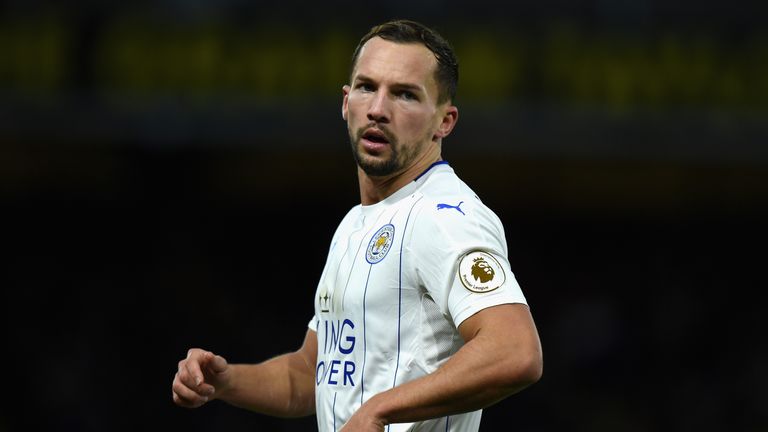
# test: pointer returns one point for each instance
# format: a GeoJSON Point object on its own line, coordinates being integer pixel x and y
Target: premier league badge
{"type": "Point", "coordinates": [480, 272]}
{"type": "Point", "coordinates": [380, 244]}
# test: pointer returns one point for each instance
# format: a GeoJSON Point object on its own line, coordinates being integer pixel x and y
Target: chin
{"type": "Point", "coordinates": [379, 169]}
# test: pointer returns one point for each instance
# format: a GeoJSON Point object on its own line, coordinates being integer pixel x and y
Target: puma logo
{"type": "Point", "coordinates": [457, 207]}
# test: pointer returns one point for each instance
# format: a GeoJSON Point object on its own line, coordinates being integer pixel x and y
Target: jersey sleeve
{"type": "Point", "coordinates": [460, 258]}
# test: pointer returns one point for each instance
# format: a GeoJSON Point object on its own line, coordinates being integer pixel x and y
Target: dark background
{"type": "Point", "coordinates": [171, 173]}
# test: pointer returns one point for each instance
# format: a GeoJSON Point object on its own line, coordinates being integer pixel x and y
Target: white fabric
{"type": "Point", "coordinates": [391, 296]}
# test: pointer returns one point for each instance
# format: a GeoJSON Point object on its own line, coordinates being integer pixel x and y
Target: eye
{"type": "Point", "coordinates": [408, 95]}
{"type": "Point", "coordinates": [365, 87]}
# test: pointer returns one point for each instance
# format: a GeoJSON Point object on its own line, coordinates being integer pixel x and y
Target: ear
{"type": "Point", "coordinates": [344, 104]}
{"type": "Point", "coordinates": [448, 121]}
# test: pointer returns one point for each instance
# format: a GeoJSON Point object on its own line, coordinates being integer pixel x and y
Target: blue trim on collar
{"type": "Point", "coordinates": [440, 162]}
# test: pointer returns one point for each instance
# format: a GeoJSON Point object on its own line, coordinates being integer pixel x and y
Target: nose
{"type": "Point", "coordinates": [378, 108]}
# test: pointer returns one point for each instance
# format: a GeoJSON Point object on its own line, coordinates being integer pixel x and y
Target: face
{"type": "Point", "coordinates": [391, 108]}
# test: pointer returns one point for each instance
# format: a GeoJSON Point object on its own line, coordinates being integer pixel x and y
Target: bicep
{"type": "Point", "coordinates": [505, 337]}
{"type": "Point", "coordinates": [308, 350]}
{"type": "Point", "coordinates": [506, 323]}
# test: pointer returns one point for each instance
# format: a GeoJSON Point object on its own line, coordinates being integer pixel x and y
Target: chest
{"type": "Point", "coordinates": [365, 273]}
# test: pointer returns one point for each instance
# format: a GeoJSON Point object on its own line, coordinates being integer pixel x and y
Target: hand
{"type": "Point", "coordinates": [200, 378]}
{"type": "Point", "coordinates": [362, 422]}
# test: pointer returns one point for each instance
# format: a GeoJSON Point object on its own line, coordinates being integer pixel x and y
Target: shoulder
{"type": "Point", "coordinates": [351, 214]}
{"type": "Point", "coordinates": [450, 209]}
{"type": "Point", "coordinates": [348, 219]}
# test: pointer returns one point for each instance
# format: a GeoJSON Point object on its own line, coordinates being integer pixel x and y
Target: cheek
{"type": "Point", "coordinates": [417, 124]}
{"type": "Point", "coordinates": [355, 109]}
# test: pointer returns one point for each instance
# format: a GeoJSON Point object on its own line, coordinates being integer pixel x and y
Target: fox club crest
{"type": "Point", "coordinates": [380, 244]}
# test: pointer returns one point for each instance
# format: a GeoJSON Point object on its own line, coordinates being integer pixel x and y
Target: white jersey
{"type": "Point", "coordinates": [401, 276]}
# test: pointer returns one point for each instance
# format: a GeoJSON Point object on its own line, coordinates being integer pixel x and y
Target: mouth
{"type": "Point", "coordinates": [375, 136]}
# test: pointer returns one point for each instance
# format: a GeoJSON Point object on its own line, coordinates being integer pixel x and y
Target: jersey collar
{"type": "Point", "coordinates": [405, 190]}
{"type": "Point", "coordinates": [440, 162]}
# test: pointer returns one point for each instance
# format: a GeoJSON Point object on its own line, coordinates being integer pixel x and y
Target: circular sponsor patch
{"type": "Point", "coordinates": [480, 272]}
{"type": "Point", "coordinates": [380, 244]}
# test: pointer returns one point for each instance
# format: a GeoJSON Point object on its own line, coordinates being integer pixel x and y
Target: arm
{"type": "Point", "coordinates": [283, 386]}
{"type": "Point", "coordinates": [502, 356]}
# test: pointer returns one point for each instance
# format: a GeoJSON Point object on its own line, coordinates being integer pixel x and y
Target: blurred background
{"type": "Point", "coordinates": [171, 173]}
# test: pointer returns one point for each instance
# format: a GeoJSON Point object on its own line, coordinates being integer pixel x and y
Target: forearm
{"type": "Point", "coordinates": [475, 377]}
{"type": "Point", "coordinates": [281, 387]}
{"type": "Point", "coordinates": [502, 356]}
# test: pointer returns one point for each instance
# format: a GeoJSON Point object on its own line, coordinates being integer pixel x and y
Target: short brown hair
{"type": "Point", "coordinates": [406, 31]}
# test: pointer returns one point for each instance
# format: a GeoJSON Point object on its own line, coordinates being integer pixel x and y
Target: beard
{"type": "Point", "coordinates": [376, 167]}
{"type": "Point", "coordinates": [369, 164]}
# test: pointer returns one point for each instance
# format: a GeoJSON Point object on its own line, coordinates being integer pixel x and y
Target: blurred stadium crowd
{"type": "Point", "coordinates": [158, 160]}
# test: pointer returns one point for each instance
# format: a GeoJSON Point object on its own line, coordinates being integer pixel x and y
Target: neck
{"type": "Point", "coordinates": [374, 189]}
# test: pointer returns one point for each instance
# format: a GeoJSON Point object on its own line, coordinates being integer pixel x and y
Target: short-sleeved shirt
{"type": "Point", "coordinates": [401, 276]}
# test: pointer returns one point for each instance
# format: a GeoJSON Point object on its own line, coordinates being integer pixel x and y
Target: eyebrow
{"type": "Point", "coordinates": [397, 86]}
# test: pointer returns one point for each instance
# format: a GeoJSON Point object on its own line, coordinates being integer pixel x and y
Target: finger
{"type": "Point", "coordinates": [186, 403]}
{"type": "Point", "coordinates": [186, 396]}
{"type": "Point", "coordinates": [186, 375]}
{"type": "Point", "coordinates": [191, 352]}
{"type": "Point", "coordinates": [206, 390]}
{"type": "Point", "coordinates": [192, 367]}
{"type": "Point", "coordinates": [180, 401]}
{"type": "Point", "coordinates": [186, 380]}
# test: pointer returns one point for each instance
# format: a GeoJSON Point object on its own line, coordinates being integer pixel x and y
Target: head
{"type": "Point", "coordinates": [405, 32]}
{"type": "Point", "coordinates": [399, 102]}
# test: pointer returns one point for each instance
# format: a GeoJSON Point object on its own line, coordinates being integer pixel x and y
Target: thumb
{"type": "Point", "coordinates": [217, 363]}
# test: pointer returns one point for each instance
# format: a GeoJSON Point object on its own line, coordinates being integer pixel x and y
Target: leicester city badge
{"type": "Point", "coordinates": [380, 244]}
{"type": "Point", "coordinates": [480, 272]}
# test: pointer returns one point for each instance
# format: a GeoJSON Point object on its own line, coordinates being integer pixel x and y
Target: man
{"type": "Point", "coordinates": [419, 323]}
